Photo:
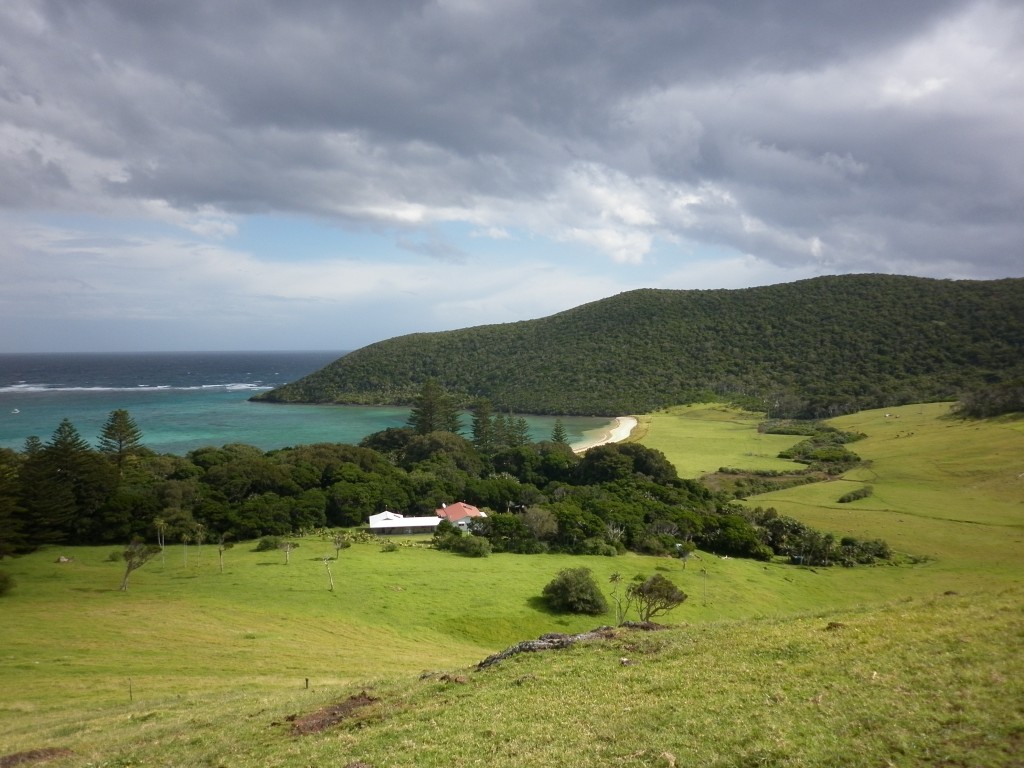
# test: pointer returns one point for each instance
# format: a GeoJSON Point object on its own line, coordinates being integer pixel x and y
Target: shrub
{"type": "Point", "coordinates": [651, 545]}
{"type": "Point", "coordinates": [269, 543]}
{"type": "Point", "coordinates": [860, 493]}
{"type": "Point", "coordinates": [855, 552]}
{"type": "Point", "coordinates": [471, 546]}
{"type": "Point", "coordinates": [446, 536]}
{"type": "Point", "coordinates": [574, 590]}
{"type": "Point", "coordinates": [6, 583]}
{"type": "Point", "coordinates": [598, 546]}
{"type": "Point", "coordinates": [389, 545]}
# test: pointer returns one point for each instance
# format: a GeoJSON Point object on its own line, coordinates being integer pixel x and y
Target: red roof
{"type": "Point", "coordinates": [458, 511]}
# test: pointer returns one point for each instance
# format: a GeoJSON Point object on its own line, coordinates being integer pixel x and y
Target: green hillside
{"type": "Point", "coordinates": [817, 347]}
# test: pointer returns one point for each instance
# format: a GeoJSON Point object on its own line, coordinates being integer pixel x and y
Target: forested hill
{"type": "Point", "coordinates": [815, 347]}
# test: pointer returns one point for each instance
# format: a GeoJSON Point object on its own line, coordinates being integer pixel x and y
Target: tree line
{"type": "Point", "coordinates": [540, 496]}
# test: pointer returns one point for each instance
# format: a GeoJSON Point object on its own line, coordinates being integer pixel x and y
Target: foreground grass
{"type": "Point", "coordinates": [921, 682]}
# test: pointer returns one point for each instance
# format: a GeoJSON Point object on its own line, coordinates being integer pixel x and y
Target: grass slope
{"type": "Point", "coordinates": [922, 669]}
{"type": "Point", "coordinates": [700, 439]}
{"type": "Point", "coordinates": [919, 683]}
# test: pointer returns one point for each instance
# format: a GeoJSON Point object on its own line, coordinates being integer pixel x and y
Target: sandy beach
{"type": "Point", "coordinates": [619, 430]}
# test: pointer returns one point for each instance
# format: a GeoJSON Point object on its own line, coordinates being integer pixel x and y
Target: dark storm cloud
{"type": "Point", "coordinates": [855, 136]}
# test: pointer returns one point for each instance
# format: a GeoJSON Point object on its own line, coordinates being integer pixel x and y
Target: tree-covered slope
{"type": "Point", "coordinates": [815, 347]}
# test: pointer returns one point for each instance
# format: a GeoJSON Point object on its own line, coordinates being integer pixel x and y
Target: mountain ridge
{"type": "Point", "coordinates": [815, 347]}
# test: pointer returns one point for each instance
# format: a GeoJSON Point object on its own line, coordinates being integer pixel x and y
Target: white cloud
{"type": "Point", "coordinates": [467, 142]}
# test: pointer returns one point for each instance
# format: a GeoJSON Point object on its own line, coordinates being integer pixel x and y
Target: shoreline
{"type": "Point", "coordinates": [620, 428]}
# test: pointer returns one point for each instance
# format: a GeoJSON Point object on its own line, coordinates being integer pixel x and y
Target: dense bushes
{"type": "Point", "coordinates": [574, 590]}
{"type": "Point", "coordinates": [806, 546]}
{"type": "Point", "coordinates": [992, 400]}
{"type": "Point", "coordinates": [268, 544]}
{"type": "Point", "coordinates": [825, 450]}
{"type": "Point", "coordinates": [860, 493]}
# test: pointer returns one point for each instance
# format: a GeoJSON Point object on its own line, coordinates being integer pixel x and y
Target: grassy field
{"type": "Point", "coordinates": [700, 439]}
{"type": "Point", "coordinates": [768, 664]}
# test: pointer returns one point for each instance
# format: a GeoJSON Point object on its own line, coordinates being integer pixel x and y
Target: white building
{"type": "Point", "coordinates": [392, 523]}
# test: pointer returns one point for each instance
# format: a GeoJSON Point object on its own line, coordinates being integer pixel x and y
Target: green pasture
{"type": "Point", "coordinates": [69, 637]}
{"type": "Point", "coordinates": [945, 491]}
{"type": "Point", "coordinates": [192, 666]}
{"type": "Point", "coordinates": [700, 439]}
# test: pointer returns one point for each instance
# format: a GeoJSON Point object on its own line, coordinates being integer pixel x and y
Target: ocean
{"type": "Point", "coordinates": [184, 401]}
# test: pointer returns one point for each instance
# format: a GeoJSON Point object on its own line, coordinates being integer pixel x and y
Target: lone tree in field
{"type": "Point", "coordinates": [287, 547]}
{"type": "Point", "coordinates": [199, 534]}
{"type": "Point", "coordinates": [136, 555]}
{"type": "Point", "coordinates": [330, 576]}
{"type": "Point", "coordinates": [621, 603]}
{"type": "Point", "coordinates": [655, 596]}
{"type": "Point", "coordinates": [161, 536]}
{"type": "Point", "coordinates": [341, 542]}
{"type": "Point", "coordinates": [222, 545]}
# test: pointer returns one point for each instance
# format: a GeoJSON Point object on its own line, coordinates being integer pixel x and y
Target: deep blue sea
{"type": "Point", "coordinates": [182, 401]}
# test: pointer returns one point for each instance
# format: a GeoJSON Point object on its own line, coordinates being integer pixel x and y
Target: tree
{"type": "Point", "coordinates": [330, 576]}
{"type": "Point", "coordinates": [64, 483]}
{"type": "Point", "coordinates": [620, 607]}
{"type": "Point", "coordinates": [655, 596]}
{"type": "Point", "coordinates": [604, 464]}
{"type": "Point", "coordinates": [574, 590]}
{"type": "Point", "coordinates": [223, 545]}
{"type": "Point", "coordinates": [199, 534]}
{"type": "Point", "coordinates": [433, 410]}
{"type": "Point", "coordinates": [558, 433]}
{"type": "Point", "coordinates": [12, 538]}
{"type": "Point", "coordinates": [683, 550]}
{"type": "Point", "coordinates": [541, 523]}
{"type": "Point", "coordinates": [517, 431]}
{"type": "Point", "coordinates": [120, 436]}
{"type": "Point", "coordinates": [482, 426]}
{"type": "Point", "coordinates": [504, 530]}
{"type": "Point", "coordinates": [287, 547]}
{"type": "Point", "coordinates": [161, 536]}
{"type": "Point", "coordinates": [341, 542]}
{"type": "Point", "coordinates": [136, 555]}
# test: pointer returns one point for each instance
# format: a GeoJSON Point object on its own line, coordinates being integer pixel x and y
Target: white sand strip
{"type": "Point", "coordinates": [619, 430]}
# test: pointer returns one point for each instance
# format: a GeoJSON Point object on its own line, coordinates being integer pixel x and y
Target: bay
{"type": "Point", "coordinates": [184, 401]}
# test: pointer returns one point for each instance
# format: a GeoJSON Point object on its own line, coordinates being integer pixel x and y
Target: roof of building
{"type": "Point", "coordinates": [458, 511]}
{"type": "Point", "coordinates": [385, 515]}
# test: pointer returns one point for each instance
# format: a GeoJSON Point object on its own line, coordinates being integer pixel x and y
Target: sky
{"type": "Point", "coordinates": [324, 174]}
